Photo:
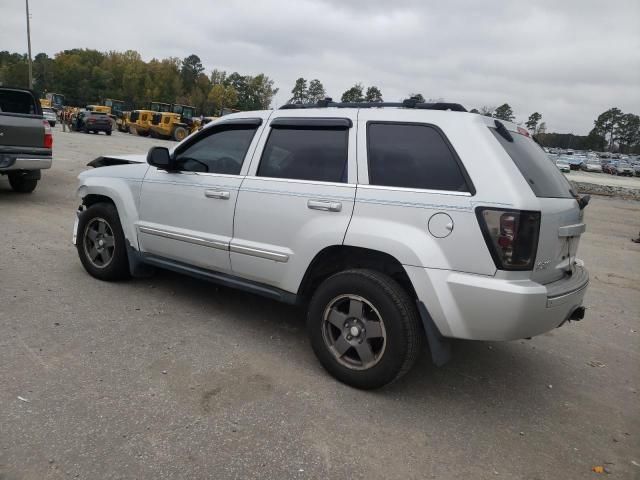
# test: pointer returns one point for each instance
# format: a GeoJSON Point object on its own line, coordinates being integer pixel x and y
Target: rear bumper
{"type": "Point", "coordinates": [20, 163]}
{"type": "Point", "coordinates": [477, 307]}
{"type": "Point", "coordinates": [100, 128]}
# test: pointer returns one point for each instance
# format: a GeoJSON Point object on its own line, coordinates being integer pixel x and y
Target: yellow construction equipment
{"type": "Point", "coordinates": [53, 100]}
{"type": "Point", "coordinates": [122, 121]}
{"type": "Point", "coordinates": [160, 107]}
{"type": "Point", "coordinates": [140, 122]}
{"type": "Point", "coordinates": [176, 124]}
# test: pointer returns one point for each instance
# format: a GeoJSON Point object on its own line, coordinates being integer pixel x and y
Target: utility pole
{"type": "Point", "coordinates": [29, 45]}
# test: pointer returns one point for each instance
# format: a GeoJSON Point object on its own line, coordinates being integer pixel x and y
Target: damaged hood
{"type": "Point", "coordinates": [108, 160]}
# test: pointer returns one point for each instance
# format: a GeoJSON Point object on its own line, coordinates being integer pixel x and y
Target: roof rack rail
{"type": "Point", "coordinates": [407, 103]}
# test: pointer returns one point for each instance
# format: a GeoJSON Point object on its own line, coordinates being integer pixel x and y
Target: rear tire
{"type": "Point", "coordinates": [364, 328]}
{"type": "Point", "coordinates": [101, 243]}
{"type": "Point", "coordinates": [108, 132]}
{"type": "Point", "coordinates": [20, 184]}
{"type": "Point", "coordinates": [179, 134]}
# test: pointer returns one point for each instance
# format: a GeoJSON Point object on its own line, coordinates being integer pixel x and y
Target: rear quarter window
{"type": "Point", "coordinates": [413, 156]}
{"type": "Point", "coordinates": [540, 172]}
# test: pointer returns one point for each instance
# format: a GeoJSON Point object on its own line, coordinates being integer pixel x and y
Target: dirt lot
{"type": "Point", "coordinates": [174, 378]}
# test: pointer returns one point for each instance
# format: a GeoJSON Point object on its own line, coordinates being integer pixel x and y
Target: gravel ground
{"type": "Point", "coordinates": [170, 377]}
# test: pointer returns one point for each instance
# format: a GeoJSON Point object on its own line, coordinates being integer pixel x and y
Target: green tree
{"type": "Point", "coordinates": [474, 110]}
{"type": "Point", "coordinates": [200, 93]}
{"type": "Point", "coordinates": [316, 91]}
{"type": "Point", "coordinates": [218, 77]}
{"type": "Point", "coordinates": [221, 97]}
{"type": "Point", "coordinates": [299, 91]}
{"type": "Point", "coordinates": [504, 112]}
{"type": "Point", "coordinates": [542, 128]}
{"type": "Point", "coordinates": [354, 94]}
{"type": "Point", "coordinates": [627, 132]}
{"type": "Point", "coordinates": [606, 124]}
{"type": "Point", "coordinates": [487, 111]}
{"type": "Point", "coordinates": [532, 123]}
{"type": "Point", "coordinates": [373, 94]}
{"type": "Point", "coordinates": [190, 70]}
{"type": "Point", "coordinates": [417, 96]}
{"type": "Point", "coordinates": [595, 141]}
{"type": "Point", "coordinates": [262, 91]}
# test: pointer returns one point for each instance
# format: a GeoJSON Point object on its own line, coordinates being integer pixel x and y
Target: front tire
{"type": "Point", "coordinates": [20, 184]}
{"type": "Point", "coordinates": [364, 328]}
{"type": "Point", "coordinates": [101, 243]}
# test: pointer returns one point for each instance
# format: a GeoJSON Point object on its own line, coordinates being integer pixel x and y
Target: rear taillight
{"type": "Point", "coordinates": [511, 236]}
{"type": "Point", "coordinates": [48, 136]}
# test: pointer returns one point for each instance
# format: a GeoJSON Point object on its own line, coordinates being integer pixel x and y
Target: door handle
{"type": "Point", "coordinates": [324, 205]}
{"type": "Point", "coordinates": [219, 194]}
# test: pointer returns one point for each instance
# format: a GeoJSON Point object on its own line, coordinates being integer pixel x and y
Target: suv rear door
{"type": "Point", "coordinates": [415, 198]}
{"type": "Point", "coordinates": [298, 197]}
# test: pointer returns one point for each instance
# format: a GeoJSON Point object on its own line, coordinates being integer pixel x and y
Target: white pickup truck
{"type": "Point", "coordinates": [26, 140]}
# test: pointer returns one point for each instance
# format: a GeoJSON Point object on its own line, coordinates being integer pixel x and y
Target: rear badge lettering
{"type": "Point", "coordinates": [543, 264]}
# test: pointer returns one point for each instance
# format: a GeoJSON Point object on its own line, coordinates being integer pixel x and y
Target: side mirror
{"type": "Point", "coordinates": [159, 157]}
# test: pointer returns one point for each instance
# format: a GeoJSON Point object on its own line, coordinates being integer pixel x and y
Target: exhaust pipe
{"type": "Point", "coordinates": [577, 314]}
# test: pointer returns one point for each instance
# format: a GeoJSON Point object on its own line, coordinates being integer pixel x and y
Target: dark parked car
{"type": "Point", "coordinates": [610, 167]}
{"type": "Point", "coordinates": [93, 122]}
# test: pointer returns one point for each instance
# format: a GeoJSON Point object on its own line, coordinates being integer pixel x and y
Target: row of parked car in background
{"type": "Point", "coordinates": [613, 164]}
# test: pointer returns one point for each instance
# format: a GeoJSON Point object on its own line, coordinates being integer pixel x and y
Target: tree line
{"type": "Point", "coordinates": [88, 76]}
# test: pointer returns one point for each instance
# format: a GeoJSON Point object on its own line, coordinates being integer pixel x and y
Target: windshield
{"type": "Point", "coordinates": [543, 177]}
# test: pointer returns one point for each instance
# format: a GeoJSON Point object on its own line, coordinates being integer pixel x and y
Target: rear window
{"type": "Point", "coordinates": [541, 174]}
{"type": "Point", "coordinates": [15, 101]}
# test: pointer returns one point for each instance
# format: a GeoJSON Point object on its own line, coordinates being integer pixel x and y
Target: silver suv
{"type": "Point", "coordinates": [397, 225]}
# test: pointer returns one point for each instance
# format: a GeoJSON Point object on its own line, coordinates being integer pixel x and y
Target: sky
{"type": "Point", "coordinates": [567, 59]}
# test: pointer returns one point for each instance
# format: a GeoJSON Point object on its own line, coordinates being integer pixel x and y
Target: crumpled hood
{"type": "Point", "coordinates": [108, 160]}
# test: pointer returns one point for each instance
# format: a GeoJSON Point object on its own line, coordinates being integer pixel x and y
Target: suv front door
{"type": "Point", "coordinates": [187, 214]}
{"type": "Point", "coordinates": [297, 198]}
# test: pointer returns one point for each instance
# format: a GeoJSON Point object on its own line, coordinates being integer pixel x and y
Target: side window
{"type": "Point", "coordinates": [412, 156]}
{"type": "Point", "coordinates": [222, 151]}
{"type": "Point", "coordinates": [306, 153]}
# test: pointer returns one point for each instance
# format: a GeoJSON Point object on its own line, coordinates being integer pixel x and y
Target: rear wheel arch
{"type": "Point", "coordinates": [336, 258]}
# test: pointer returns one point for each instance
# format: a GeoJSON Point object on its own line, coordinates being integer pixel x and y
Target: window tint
{"type": "Point", "coordinates": [15, 101]}
{"type": "Point", "coordinates": [412, 156]}
{"type": "Point", "coordinates": [223, 151]}
{"type": "Point", "coordinates": [541, 174]}
{"type": "Point", "coordinates": [306, 154]}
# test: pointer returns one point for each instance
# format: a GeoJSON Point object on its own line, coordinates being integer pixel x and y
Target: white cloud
{"type": "Point", "coordinates": [569, 60]}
